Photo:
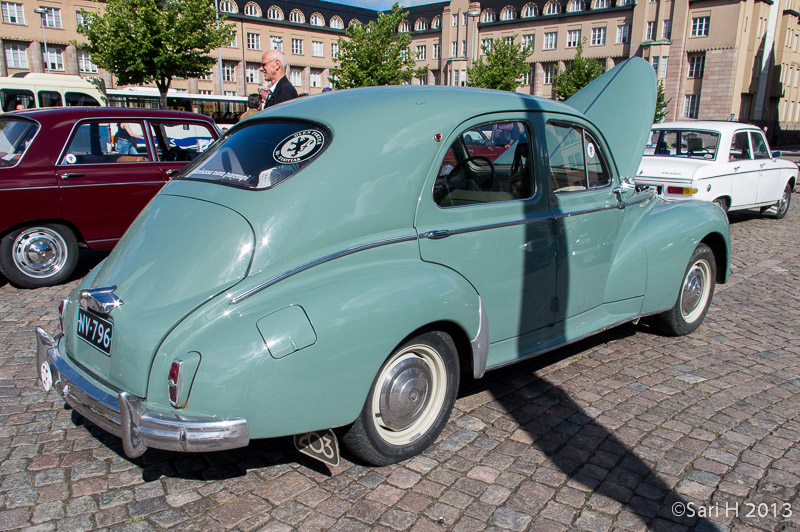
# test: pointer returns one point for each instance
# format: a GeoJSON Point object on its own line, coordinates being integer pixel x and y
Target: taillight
{"type": "Point", "coordinates": [62, 309]}
{"type": "Point", "coordinates": [174, 382]}
{"type": "Point", "coordinates": [681, 190]}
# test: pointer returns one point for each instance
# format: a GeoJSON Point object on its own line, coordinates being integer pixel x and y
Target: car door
{"type": "Point", "coordinates": [598, 276]}
{"type": "Point", "coordinates": [746, 171]}
{"type": "Point", "coordinates": [771, 183]}
{"type": "Point", "coordinates": [179, 141]}
{"type": "Point", "coordinates": [484, 216]}
{"type": "Point", "coordinates": [107, 174]}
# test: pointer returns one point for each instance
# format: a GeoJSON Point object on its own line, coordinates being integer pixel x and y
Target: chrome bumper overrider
{"type": "Point", "coordinates": [125, 416]}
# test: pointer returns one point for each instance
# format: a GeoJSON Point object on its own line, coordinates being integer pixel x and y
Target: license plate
{"type": "Point", "coordinates": [95, 331]}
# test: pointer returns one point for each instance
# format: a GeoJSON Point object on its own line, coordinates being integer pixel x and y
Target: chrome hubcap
{"type": "Point", "coordinates": [404, 393]}
{"type": "Point", "coordinates": [40, 252]}
{"type": "Point", "coordinates": [784, 201]}
{"type": "Point", "coordinates": [695, 291]}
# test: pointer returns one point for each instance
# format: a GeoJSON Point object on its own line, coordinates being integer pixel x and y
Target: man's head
{"type": "Point", "coordinates": [273, 65]}
{"type": "Point", "coordinates": [263, 90]}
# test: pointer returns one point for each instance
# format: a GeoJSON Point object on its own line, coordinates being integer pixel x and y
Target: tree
{"type": "Point", "coordinates": [661, 104]}
{"type": "Point", "coordinates": [376, 54]}
{"type": "Point", "coordinates": [143, 41]}
{"type": "Point", "coordinates": [505, 64]}
{"type": "Point", "coordinates": [580, 72]}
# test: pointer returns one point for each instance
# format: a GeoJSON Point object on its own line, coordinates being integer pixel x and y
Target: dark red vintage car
{"type": "Point", "coordinates": [72, 177]}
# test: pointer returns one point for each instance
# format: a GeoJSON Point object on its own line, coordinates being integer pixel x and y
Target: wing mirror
{"type": "Point", "coordinates": [777, 154]}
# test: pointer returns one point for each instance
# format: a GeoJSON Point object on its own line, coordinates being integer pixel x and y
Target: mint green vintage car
{"type": "Point", "coordinates": [333, 265]}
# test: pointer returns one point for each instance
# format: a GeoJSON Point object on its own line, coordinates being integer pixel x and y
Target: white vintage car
{"type": "Point", "coordinates": [729, 163]}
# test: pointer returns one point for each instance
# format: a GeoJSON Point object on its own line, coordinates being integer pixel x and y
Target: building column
{"type": "Point", "coordinates": [108, 78]}
{"type": "Point", "coordinates": [610, 63]}
{"type": "Point", "coordinates": [241, 87]}
{"type": "Point", "coordinates": [71, 60]}
{"type": "Point", "coordinates": [3, 66]}
{"type": "Point", "coordinates": [35, 57]}
{"type": "Point", "coordinates": [431, 77]}
{"type": "Point", "coordinates": [192, 85]}
{"type": "Point", "coordinates": [326, 73]}
{"type": "Point", "coordinates": [538, 79]}
{"type": "Point", "coordinates": [306, 80]}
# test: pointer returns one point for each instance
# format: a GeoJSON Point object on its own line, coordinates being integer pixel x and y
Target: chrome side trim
{"type": "Point", "coordinates": [322, 260]}
{"type": "Point", "coordinates": [435, 235]}
{"type": "Point", "coordinates": [125, 416]}
{"type": "Point", "coordinates": [480, 344]}
{"type": "Point", "coordinates": [588, 211]}
{"type": "Point", "coordinates": [115, 184]}
{"type": "Point", "coordinates": [26, 188]}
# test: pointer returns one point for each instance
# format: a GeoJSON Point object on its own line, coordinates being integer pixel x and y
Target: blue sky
{"type": "Point", "coordinates": [380, 5]}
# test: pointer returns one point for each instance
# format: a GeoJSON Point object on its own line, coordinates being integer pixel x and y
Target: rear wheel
{"type": "Point", "coordinates": [780, 209]}
{"type": "Point", "coordinates": [409, 403]}
{"type": "Point", "coordinates": [723, 204]}
{"type": "Point", "coordinates": [40, 255]}
{"type": "Point", "coordinates": [694, 297]}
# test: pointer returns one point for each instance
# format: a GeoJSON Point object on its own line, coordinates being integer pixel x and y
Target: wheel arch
{"type": "Point", "coordinates": [721, 255]}
{"type": "Point", "coordinates": [46, 221]}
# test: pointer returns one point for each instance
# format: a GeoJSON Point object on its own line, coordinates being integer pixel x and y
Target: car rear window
{"type": "Point", "coordinates": [682, 143]}
{"type": "Point", "coordinates": [15, 137]}
{"type": "Point", "coordinates": [260, 155]}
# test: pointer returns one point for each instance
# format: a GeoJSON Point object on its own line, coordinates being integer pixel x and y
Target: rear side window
{"type": "Point", "coordinates": [79, 99]}
{"type": "Point", "coordinates": [180, 141]}
{"type": "Point", "coordinates": [13, 99]}
{"type": "Point", "coordinates": [15, 137]}
{"type": "Point", "coordinates": [105, 142]}
{"type": "Point", "coordinates": [49, 99]}
{"type": "Point", "coordinates": [261, 155]}
{"type": "Point", "coordinates": [576, 162]}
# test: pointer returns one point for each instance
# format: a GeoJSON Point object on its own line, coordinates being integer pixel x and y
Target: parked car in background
{"type": "Point", "coordinates": [728, 163]}
{"type": "Point", "coordinates": [337, 262]}
{"type": "Point", "coordinates": [77, 176]}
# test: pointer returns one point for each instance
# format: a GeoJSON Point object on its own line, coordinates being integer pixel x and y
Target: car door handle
{"type": "Point", "coordinates": [171, 172]}
{"type": "Point", "coordinates": [437, 235]}
{"type": "Point", "coordinates": [67, 175]}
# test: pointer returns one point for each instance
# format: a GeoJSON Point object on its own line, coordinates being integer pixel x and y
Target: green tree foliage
{"type": "Point", "coordinates": [505, 64]}
{"type": "Point", "coordinates": [143, 41]}
{"type": "Point", "coordinates": [376, 54]}
{"type": "Point", "coordinates": [580, 72]}
{"type": "Point", "coordinates": [661, 104]}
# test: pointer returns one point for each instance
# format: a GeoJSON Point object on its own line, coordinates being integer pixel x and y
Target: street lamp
{"type": "Point", "coordinates": [219, 55]}
{"type": "Point", "coordinates": [474, 11]}
{"type": "Point", "coordinates": [42, 11]}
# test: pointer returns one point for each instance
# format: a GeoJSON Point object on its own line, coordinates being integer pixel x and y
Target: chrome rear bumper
{"type": "Point", "coordinates": [125, 416]}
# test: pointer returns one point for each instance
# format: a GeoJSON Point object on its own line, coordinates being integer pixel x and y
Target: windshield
{"type": "Point", "coordinates": [682, 143]}
{"type": "Point", "coordinates": [15, 136]}
{"type": "Point", "coordinates": [260, 155]}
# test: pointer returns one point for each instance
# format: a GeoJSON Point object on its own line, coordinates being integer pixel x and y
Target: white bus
{"type": "Point", "coordinates": [26, 90]}
{"type": "Point", "coordinates": [224, 110]}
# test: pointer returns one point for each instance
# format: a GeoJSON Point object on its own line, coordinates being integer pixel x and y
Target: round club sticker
{"type": "Point", "coordinates": [299, 147]}
{"type": "Point", "coordinates": [590, 150]}
{"type": "Point", "coordinates": [71, 159]}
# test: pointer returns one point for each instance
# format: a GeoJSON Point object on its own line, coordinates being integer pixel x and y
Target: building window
{"type": "Point", "coordinates": [696, 66]}
{"type": "Point", "coordinates": [297, 46]}
{"type": "Point", "coordinates": [598, 36]}
{"type": "Point", "coordinates": [275, 43]}
{"type": "Point", "coordinates": [573, 38]}
{"type": "Point", "coordinates": [437, 50]}
{"type": "Point", "coordinates": [296, 78]}
{"type": "Point", "coordinates": [226, 6]}
{"type": "Point", "coordinates": [550, 40]}
{"type": "Point", "coordinates": [455, 20]}
{"type": "Point", "coordinates": [316, 78]}
{"type": "Point", "coordinates": [623, 34]}
{"type": "Point", "coordinates": [232, 44]}
{"type": "Point", "coordinates": [205, 77]}
{"type": "Point", "coordinates": [464, 48]}
{"type": "Point", "coordinates": [455, 78]}
{"type": "Point", "coordinates": [526, 78]}
{"type": "Point", "coordinates": [691, 106]}
{"type": "Point", "coordinates": [666, 29]}
{"type": "Point", "coordinates": [228, 71]}
{"type": "Point", "coordinates": [317, 20]}
{"type": "Point", "coordinates": [274, 13]}
{"type": "Point", "coordinates": [529, 11]}
{"type": "Point", "coordinates": [508, 13]}
{"type": "Point", "coordinates": [254, 41]}
{"type": "Point", "coordinates": [405, 27]}
{"type": "Point", "coordinates": [13, 13]}
{"type": "Point", "coordinates": [252, 10]}
{"type": "Point", "coordinates": [487, 16]}
{"type": "Point", "coordinates": [337, 23]}
{"type": "Point", "coordinates": [334, 50]}
{"type": "Point", "coordinates": [700, 26]}
{"type": "Point", "coordinates": [422, 80]}
{"type": "Point", "coordinates": [251, 73]}
{"type": "Point", "coordinates": [654, 62]}
{"type": "Point", "coordinates": [16, 56]}
{"type": "Point", "coordinates": [85, 63]}
{"type": "Point", "coordinates": [79, 20]}
{"type": "Point", "coordinates": [600, 4]}
{"type": "Point", "coordinates": [650, 31]}
{"type": "Point", "coordinates": [528, 41]}
{"type": "Point", "coordinates": [421, 48]}
{"type": "Point", "coordinates": [52, 19]}
{"type": "Point", "coordinates": [549, 74]}
{"type": "Point", "coordinates": [230, 93]}
{"type": "Point", "coordinates": [663, 73]}
{"type": "Point", "coordinates": [297, 16]}
{"type": "Point", "coordinates": [552, 8]}
{"type": "Point", "coordinates": [575, 5]}
{"type": "Point", "coordinates": [207, 92]}
{"type": "Point", "coordinates": [454, 49]}
{"type": "Point", "coordinates": [486, 45]}
{"type": "Point", "coordinates": [54, 59]}
{"type": "Point", "coordinates": [317, 49]}
{"type": "Point", "coordinates": [437, 22]}
{"type": "Point", "coordinates": [421, 24]}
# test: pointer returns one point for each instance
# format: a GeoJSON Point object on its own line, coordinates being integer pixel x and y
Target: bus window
{"type": "Point", "coordinates": [80, 99]}
{"type": "Point", "coordinates": [12, 99]}
{"type": "Point", "coordinates": [49, 99]}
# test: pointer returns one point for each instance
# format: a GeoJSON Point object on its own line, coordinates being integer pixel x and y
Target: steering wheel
{"type": "Point", "coordinates": [173, 154]}
{"type": "Point", "coordinates": [457, 168]}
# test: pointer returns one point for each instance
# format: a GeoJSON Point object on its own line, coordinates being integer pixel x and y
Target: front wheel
{"type": "Point", "coordinates": [694, 297]}
{"type": "Point", "coordinates": [409, 403]}
{"type": "Point", "coordinates": [41, 255]}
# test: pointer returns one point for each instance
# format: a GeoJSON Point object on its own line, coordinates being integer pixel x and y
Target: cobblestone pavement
{"type": "Point", "coordinates": [629, 430]}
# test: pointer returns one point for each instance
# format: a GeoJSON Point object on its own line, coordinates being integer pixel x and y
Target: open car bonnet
{"type": "Point", "coordinates": [160, 271]}
{"type": "Point", "coordinates": [621, 103]}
